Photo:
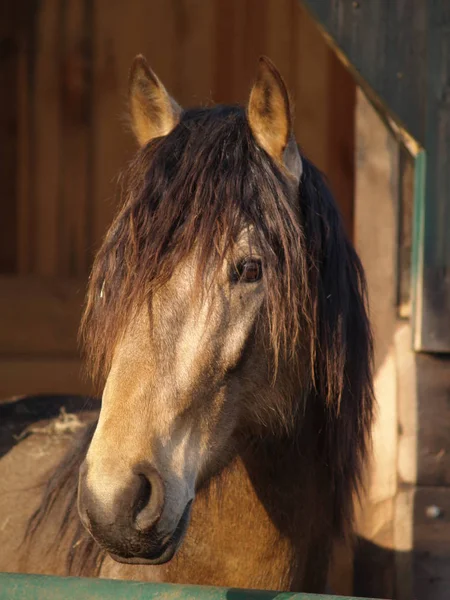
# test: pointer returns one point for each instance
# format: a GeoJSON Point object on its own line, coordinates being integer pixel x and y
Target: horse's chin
{"type": "Point", "coordinates": [167, 554]}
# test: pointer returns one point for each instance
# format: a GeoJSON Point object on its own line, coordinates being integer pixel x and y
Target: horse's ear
{"type": "Point", "coordinates": [153, 112]}
{"type": "Point", "coordinates": [270, 118]}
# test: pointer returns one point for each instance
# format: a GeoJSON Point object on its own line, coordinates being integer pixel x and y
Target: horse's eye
{"type": "Point", "coordinates": [248, 271]}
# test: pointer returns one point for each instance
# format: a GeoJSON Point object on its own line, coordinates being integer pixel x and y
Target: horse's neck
{"type": "Point", "coordinates": [254, 525]}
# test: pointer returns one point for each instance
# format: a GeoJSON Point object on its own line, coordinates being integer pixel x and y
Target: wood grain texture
{"type": "Point", "coordinates": [386, 52]}
{"type": "Point", "coordinates": [376, 184]}
{"type": "Point", "coordinates": [23, 158]}
{"type": "Point", "coordinates": [46, 139]}
{"type": "Point", "coordinates": [431, 555]}
{"type": "Point", "coordinates": [72, 134]}
{"type": "Point", "coordinates": [9, 72]}
{"type": "Point", "coordinates": [311, 90]}
{"type": "Point", "coordinates": [432, 270]}
{"type": "Point", "coordinates": [341, 107]}
{"type": "Point", "coordinates": [39, 317]}
{"type": "Point", "coordinates": [399, 50]}
{"type": "Point", "coordinates": [76, 121]}
{"type": "Point", "coordinates": [19, 377]}
{"type": "Point", "coordinates": [433, 420]}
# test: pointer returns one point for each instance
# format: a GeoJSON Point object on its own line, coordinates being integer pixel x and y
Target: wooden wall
{"type": "Point", "coordinates": [64, 136]}
{"type": "Point", "coordinates": [64, 139]}
{"type": "Point", "coordinates": [404, 520]}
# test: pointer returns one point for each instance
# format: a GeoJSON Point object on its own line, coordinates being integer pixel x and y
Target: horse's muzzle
{"type": "Point", "coordinates": [131, 526]}
{"type": "Point", "coordinates": [158, 554]}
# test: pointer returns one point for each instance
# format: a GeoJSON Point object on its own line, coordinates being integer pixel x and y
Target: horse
{"type": "Point", "coordinates": [226, 324]}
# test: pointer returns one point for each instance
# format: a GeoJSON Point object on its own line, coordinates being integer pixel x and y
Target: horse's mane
{"type": "Point", "coordinates": [194, 190]}
{"type": "Point", "coordinates": [84, 556]}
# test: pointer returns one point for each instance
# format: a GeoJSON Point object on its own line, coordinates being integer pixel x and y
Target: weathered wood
{"type": "Point", "coordinates": [376, 186]}
{"type": "Point", "coordinates": [433, 420]}
{"type": "Point", "coordinates": [72, 140]}
{"type": "Point", "coordinates": [9, 57]}
{"type": "Point", "coordinates": [46, 139]}
{"type": "Point", "coordinates": [16, 27]}
{"type": "Point", "coordinates": [431, 555]}
{"type": "Point", "coordinates": [385, 44]}
{"type": "Point", "coordinates": [76, 144]}
{"type": "Point", "coordinates": [39, 317]}
{"type": "Point", "coordinates": [111, 146]}
{"type": "Point", "coordinates": [407, 406]}
{"type": "Point", "coordinates": [19, 377]}
{"type": "Point", "coordinates": [280, 37]}
{"type": "Point", "coordinates": [72, 134]}
{"type": "Point", "coordinates": [197, 52]}
{"type": "Point", "coordinates": [399, 51]}
{"type": "Point", "coordinates": [311, 82]}
{"type": "Point", "coordinates": [23, 157]}
{"type": "Point", "coordinates": [121, 32]}
{"type": "Point", "coordinates": [340, 168]}
{"type": "Point", "coordinates": [404, 542]}
{"type": "Point", "coordinates": [432, 268]}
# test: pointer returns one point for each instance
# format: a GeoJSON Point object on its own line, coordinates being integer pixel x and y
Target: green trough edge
{"type": "Point", "coordinates": [39, 587]}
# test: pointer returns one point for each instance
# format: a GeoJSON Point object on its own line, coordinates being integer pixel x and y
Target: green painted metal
{"type": "Point", "coordinates": [15, 586]}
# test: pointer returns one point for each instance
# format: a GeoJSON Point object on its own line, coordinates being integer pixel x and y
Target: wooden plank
{"type": "Point", "coordinates": [279, 37]}
{"type": "Point", "coordinates": [24, 18]}
{"type": "Point", "coordinates": [407, 400]}
{"type": "Point", "coordinates": [46, 139]}
{"type": "Point", "coordinates": [241, 38]}
{"type": "Point", "coordinates": [311, 85]}
{"type": "Point", "coordinates": [230, 41]}
{"type": "Point", "coordinates": [76, 143]}
{"type": "Point", "coordinates": [23, 158]}
{"type": "Point", "coordinates": [374, 562]}
{"type": "Point", "coordinates": [16, 23]}
{"type": "Point", "coordinates": [432, 268]}
{"type": "Point", "coordinates": [40, 317]}
{"type": "Point", "coordinates": [433, 420]}
{"type": "Point", "coordinates": [376, 188]}
{"type": "Point", "coordinates": [122, 31]}
{"type": "Point", "coordinates": [108, 97]}
{"type": "Point", "coordinates": [20, 377]}
{"type": "Point", "coordinates": [407, 406]}
{"type": "Point", "coordinates": [340, 167]}
{"type": "Point", "coordinates": [431, 554]}
{"type": "Point", "coordinates": [224, 36]}
{"type": "Point", "coordinates": [196, 52]}
{"type": "Point", "coordinates": [252, 27]}
{"type": "Point", "coordinates": [400, 51]}
{"type": "Point", "coordinates": [385, 44]}
{"type": "Point", "coordinates": [8, 146]}
{"type": "Point", "coordinates": [404, 542]}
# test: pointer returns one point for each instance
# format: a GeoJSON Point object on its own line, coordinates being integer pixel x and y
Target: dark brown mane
{"type": "Point", "coordinates": [196, 188]}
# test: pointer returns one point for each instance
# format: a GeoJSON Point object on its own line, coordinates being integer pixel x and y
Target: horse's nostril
{"type": "Point", "coordinates": [150, 499]}
{"type": "Point", "coordinates": [144, 494]}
